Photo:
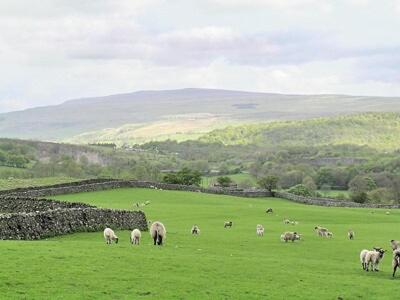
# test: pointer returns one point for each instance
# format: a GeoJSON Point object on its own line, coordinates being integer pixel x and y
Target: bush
{"type": "Point", "coordinates": [301, 190]}
{"type": "Point", "coordinates": [359, 197]}
{"type": "Point", "coordinates": [224, 181]}
{"type": "Point", "coordinates": [269, 182]}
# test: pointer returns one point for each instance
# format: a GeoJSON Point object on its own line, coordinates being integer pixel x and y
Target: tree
{"type": "Point", "coordinates": [362, 183]}
{"type": "Point", "coordinates": [269, 182]}
{"type": "Point", "coordinates": [301, 190]}
{"type": "Point", "coordinates": [309, 183]}
{"type": "Point", "coordinates": [184, 176]}
{"type": "Point", "coordinates": [224, 181]}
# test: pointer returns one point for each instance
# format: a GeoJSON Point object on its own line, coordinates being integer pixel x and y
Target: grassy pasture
{"type": "Point", "coordinates": [218, 264]}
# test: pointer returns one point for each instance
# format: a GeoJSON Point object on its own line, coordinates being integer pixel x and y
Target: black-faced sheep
{"type": "Point", "coordinates": [158, 232]}
{"type": "Point", "coordinates": [110, 236]}
{"type": "Point", "coordinates": [269, 210]}
{"type": "Point", "coordinates": [373, 258]}
{"type": "Point", "coordinates": [228, 224]}
{"type": "Point", "coordinates": [195, 230]}
{"type": "Point", "coordinates": [260, 230]}
{"type": "Point", "coordinates": [290, 236]}
{"type": "Point", "coordinates": [135, 236]}
{"type": "Point", "coordinates": [394, 244]}
{"type": "Point", "coordinates": [350, 234]}
{"type": "Point", "coordinates": [396, 261]}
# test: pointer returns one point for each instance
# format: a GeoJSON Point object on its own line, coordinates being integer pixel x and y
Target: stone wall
{"type": "Point", "coordinates": [98, 185]}
{"type": "Point", "coordinates": [330, 202]}
{"type": "Point", "coordinates": [43, 224]}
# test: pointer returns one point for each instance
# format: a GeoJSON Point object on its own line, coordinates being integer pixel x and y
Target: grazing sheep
{"type": "Point", "coordinates": [158, 232]}
{"type": "Point", "coordinates": [228, 224]}
{"type": "Point", "coordinates": [269, 210]}
{"type": "Point", "coordinates": [396, 261]}
{"type": "Point", "coordinates": [195, 230]}
{"type": "Point", "coordinates": [135, 236]}
{"type": "Point", "coordinates": [286, 221]}
{"type": "Point", "coordinates": [110, 236]}
{"type": "Point", "coordinates": [321, 231]}
{"type": "Point", "coordinates": [260, 230]}
{"type": "Point", "coordinates": [290, 236]}
{"type": "Point", "coordinates": [374, 257]}
{"type": "Point", "coordinates": [350, 234]}
{"type": "Point", "coordinates": [394, 244]}
{"type": "Point", "coordinates": [363, 255]}
{"type": "Point", "coordinates": [294, 222]}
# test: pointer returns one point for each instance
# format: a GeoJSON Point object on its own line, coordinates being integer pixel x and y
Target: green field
{"type": "Point", "coordinates": [13, 183]}
{"type": "Point", "coordinates": [218, 264]}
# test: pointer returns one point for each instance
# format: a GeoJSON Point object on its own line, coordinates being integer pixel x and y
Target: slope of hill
{"type": "Point", "coordinates": [141, 109]}
{"type": "Point", "coordinates": [377, 130]}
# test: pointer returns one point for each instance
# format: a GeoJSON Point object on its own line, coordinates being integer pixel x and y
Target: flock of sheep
{"type": "Point", "coordinates": [157, 231]}
{"type": "Point", "coordinates": [367, 257]}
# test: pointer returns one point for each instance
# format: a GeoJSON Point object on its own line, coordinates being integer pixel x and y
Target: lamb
{"type": "Point", "coordinates": [135, 236]}
{"type": "Point", "coordinates": [110, 236]}
{"type": "Point", "coordinates": [374, 257]}
{"type": "Point", "coordinates": [329, 234]}
{"type": "Point", "coordinates": [396, 261]}
{"type": "Point", "coordinates": [290, 236]}
{"type": "Point", "coordinates": [228, 224]}
{"type": "Point", "coordinates": [363, 255]}
{"type": "Point", "coordinates": [195, 230]}
{"type": "Point", "coordinates": [158, 232]}
{"type": "Point", "coordinates": [260, 230]}
{"type": "Point", "coordinates": [350, 234]}
{"type": "Point", "coordinates": [321, 231]}
{"type": "Point", "coordinates": [269, 210]}
{"type": "Point", "coordinates": [394, 244]}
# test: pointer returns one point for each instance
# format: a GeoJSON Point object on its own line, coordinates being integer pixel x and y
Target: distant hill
{"type": "Point", "coordinates": [177, 114]}
{"type": "Point", "coordinates": [376, 130]}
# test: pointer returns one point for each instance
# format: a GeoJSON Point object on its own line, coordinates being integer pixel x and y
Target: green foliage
{"type": "Point", "coordinates": [362, 183]}
{"type": "Point", "coordinates": [224, 181]}
{"type": "Point", "coordinates": [301, 190]}
{"type": "Point", "coordinates": [268, 182]}
{"type": "Point", "coordinates": [184, 176]}
{"type": "Point", "coordinates": [359, 197]}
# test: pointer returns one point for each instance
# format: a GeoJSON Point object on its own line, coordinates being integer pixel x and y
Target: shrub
{"type": "Point", "coordinates": [359, 197]}
{"type": "Point", "coordinates": [301, 190]}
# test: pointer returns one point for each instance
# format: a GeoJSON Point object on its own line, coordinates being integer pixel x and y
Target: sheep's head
{"type": "Point", "coordinates": [116, 240]}
{"type": "Point", "coordinates": [381, 252]}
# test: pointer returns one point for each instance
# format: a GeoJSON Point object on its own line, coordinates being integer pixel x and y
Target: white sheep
{"type": "Point", "coordinates": [329, 234]}
{"type": "Point", "coordinates": [374, 257]}
{"type": "Point", "coordinates": [394, 244]}
{"type": "Point", "coordinates": [158, 232]}
{"type": "Point", "coordinates": [286, 221]}
{"type": "Point", "coordinates": [395, 261]}
{"type": "Point", "coordinates": [136, 236]}
{"type": "Point", "coordinates": [195, 230]}
{"type": "Point", "coordinates": [260, 230]}
{"type": "Point", "coordinates": [363, 255]}
{"type": "Point", "coordinates": [110, 236]}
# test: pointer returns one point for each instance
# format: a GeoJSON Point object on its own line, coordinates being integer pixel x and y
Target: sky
{"type": "Point", "coordinates": [55, 50]}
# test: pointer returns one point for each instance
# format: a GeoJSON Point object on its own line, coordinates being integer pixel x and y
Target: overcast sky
{"type": "Point", "coordinates": [54, 50]}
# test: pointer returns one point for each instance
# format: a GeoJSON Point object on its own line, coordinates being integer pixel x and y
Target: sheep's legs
{"type": "Point", "coordinates": [160, 240]}
{"type": "Point", "coordinates": [394, 270]}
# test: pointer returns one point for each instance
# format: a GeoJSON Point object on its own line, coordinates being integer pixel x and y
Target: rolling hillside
{"type": "Point", "coordinates": [376, 130]}
{"type": "Point", "coordinates": [164, 114]}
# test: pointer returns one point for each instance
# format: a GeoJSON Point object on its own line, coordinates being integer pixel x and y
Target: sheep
{"type": "Point", "coordinates": [195, 230]}
{"type": "Point", "coordinates": [394, 244]}
{"type": "Point", "coordinates": [260, 230]}
{"type": "Point", "coordinates": [350, 234]}
{"type": "Point", "coordinates": [158, 232]}
{"type": "Point", "coordinates": [135, 236]}
{"type": "Point", "coordinates": [269, 210]}
{"type": "Point", "coordinates": [374, 257]}
{"type": "Point", "coordinates": [294, 222]}
{"type": "Point", "coordinates": [321, 231]}
{"type": "Point", "coordinates": [286, 221]}
{"type": "Point", "coordinates": [290, 236]}
{"type": "Point", "coordinates": [363, 255]}
{"type": "Point", "coordinates": [147, 203]}
{"type": "Point", "coordinates": [329, 234]}
{"type": "Point", "coordinates": [110, 236]}
{"type": "Point", "coordinates": [228, 224]}
{"type": "Point", "coordinates": [396, 261]}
